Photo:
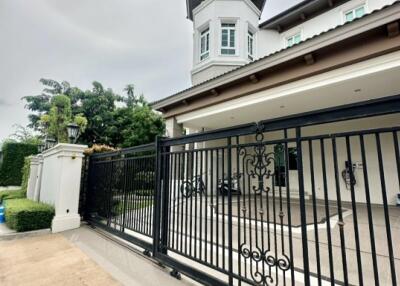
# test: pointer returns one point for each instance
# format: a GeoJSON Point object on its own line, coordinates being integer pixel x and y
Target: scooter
{"type": "Point", "coordinates": [223, 185]}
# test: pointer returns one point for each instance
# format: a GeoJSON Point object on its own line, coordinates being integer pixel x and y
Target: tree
{"type": "Point", "coordinates": [135, 126]}
{"type": "Point", "coordinates": [41, 104]}
{"type": "Point", "coordinates": [131, 98]}
{"type": "Point", "coordinates": [24, 135]}
{"type": "Point", "coordinates": [96, 111]}
{"type": "Point", "coordinates": [98, 106]}
{"type": "Point", "coordinates": [60, 115]}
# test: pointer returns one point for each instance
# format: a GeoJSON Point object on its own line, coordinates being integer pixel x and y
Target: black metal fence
{"type": "Point", "coordinates": [308, 200]}
{"type": "Point", "coordinates": [120, 193]}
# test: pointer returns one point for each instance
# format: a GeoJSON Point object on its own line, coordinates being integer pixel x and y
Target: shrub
{"type": "Point", "coordinates": [96, 148]}
{"type": "Point", "coordinates": [26, 215]}
{"type": "Point", "coordinates": [9, 195]}
{"type": "Point", "coordinates": [13, 160]}
{"type": "Point", "coordinates": [26, 169]}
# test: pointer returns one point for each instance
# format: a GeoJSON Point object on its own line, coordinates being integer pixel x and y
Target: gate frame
{"type": "Point", "coordinates": [364, 109]}
{"type": "Point", "coordinates": [147, 246]}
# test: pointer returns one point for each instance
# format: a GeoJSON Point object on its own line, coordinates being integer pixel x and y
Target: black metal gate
{"type": "Point", "coordinates": [120, 193]}
{"type": "Point", "coordinates": [306, 200]}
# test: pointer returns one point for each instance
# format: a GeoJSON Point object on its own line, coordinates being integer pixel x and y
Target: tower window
{"type": "Point", "coordinates": [228, 46]}
{"type": "Point", "coordinates": [292, 40]}
{"type": "Point", "coordinates": [354, 13]}
{"type": "Point", "coordinates": [250, 45]}
{"type": "Point", "coordinates": [205, 44]}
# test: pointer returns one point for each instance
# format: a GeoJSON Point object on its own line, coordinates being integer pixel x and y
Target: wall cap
{"type": "Point", "coordinates": [64, 149]}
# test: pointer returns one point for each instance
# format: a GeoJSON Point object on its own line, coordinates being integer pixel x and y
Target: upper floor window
{"type": "Point", "coordinates": [292, 40]}
{"type": "Point", "coordinates": [205, 44]}
{"type": "Point", "coordinates": [354, 13]}
{"type": "Point", "coordinates": [228, 46]}
{"type": "Point", "coordinates": [250, 45]}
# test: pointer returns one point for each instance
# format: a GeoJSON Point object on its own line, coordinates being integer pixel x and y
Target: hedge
{"type": "Point", "coordinates": [26, 215]}
{"type": "Point", "coordinates": [13, 160]}
{"type": "Point", "coordinates": [8, 195]}
{"type": "Point", "coordinates": [26, 170]}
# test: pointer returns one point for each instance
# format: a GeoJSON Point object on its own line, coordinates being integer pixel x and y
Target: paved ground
{"type": "Point", "coordinates": [5, 230]}
{"type": "Point", "coordinates": [127, 266]}
{"type": "Point", "coordinates": [78, 257]}
{"type": "Point", "coordinates": [48, 260]}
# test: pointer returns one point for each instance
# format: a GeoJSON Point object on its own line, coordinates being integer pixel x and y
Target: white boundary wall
{"type": "Point", "coordinates": [55, 179]}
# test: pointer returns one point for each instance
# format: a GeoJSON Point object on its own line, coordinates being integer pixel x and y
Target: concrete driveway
{"type": "Point", "coordinates": [48, 260]}
{"type": "Point", "coordinates": [78, 257]}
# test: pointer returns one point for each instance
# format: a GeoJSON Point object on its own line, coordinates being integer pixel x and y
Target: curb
{"type": "Point", "coordinates": [20, 235]}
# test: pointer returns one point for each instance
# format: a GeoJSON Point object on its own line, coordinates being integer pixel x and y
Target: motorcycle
{"type": "Point", "coordinates": [223, 185]}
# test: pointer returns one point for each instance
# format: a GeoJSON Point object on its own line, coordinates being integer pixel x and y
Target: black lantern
{"type": "Point", "coordinates": [50, 143]}
{"type": "Point", "coordinates": [73, 132]}
{"type": "Point", "coordinates": [41, 147]}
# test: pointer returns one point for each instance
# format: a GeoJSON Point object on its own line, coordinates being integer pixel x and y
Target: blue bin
{"type": "Point", "coordinates": [2, 218]}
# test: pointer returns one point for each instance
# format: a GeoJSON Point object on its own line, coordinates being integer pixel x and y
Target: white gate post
{"type": "Point", "coordinates": [38, 182]}
{"type": "Point", "coordinates": [60, 186]}
{"type": "Point", "coordinates": [33, 177]}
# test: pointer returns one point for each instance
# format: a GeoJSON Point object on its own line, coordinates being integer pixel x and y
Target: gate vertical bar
{"type": "Point", "coordinates": [125, 192]}
{"type": "Point", "coordinates": [340, 211]}
{"type": "Point", "coordinates": [230, 238]}
{"type": "Point", "coordinates": [369, 210]}
{"type": "Point", "coordinates": [354, 207]}
{"type": "Point", "coordinates": [157, 201]}
{"type": "Point", "coordinates": [165, 199]}
{"type": "Point", "coordinates": [386, 209]}
{"type": "Point", "coordinates": [304, 239]}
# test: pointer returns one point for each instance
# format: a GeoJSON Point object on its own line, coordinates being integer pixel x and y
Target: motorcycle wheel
{"type": "Point", "coordinates": [186, 189]}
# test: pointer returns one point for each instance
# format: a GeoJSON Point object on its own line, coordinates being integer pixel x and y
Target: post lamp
{"type": "Point", "coordinates": [50, 143]}
{"type": "Point", "coordinates": [73, 132]}
{"type": "Point", "coordinates": [41, 147]}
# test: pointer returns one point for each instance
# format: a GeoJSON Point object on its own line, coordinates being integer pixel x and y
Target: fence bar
{"type": "Point", "coordinates": [354, 208]}
{"type": "Point", "coordinates": [369, 210]}
{"type": "Point", "coordinates": [386, 209]}
{"type": "Point", "coordinates": [306, 266]}
{"type": "Point", "coordinates": [230, 236]}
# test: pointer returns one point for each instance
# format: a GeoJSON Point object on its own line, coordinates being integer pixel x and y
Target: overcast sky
{"type": "Point", "coordinates": [116, 42]}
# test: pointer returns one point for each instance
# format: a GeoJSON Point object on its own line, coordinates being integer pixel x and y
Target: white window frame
{"type": "Point", "coordinates": [292, 37]}
{"type": "Point", "coordinates": [232, 30]}
{"type": "Point", "coordinates": [251, 36]}
{"type": "Point", "coordinates": [353, 11]}
{"type": "Point", "coordinates": [205, 33]}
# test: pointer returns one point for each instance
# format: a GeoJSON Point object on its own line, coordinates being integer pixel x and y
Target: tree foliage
{"type": "Point", "coordinates": [104, 116]}
{"type": "Point", "coordinates": [135, 126]}
{"type": "Point", "coordinates": [24, 135]}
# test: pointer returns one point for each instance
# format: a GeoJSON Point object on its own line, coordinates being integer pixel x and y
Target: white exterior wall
{"type": "Point", "coordinates": [212, 13]}
{"type": "Point", "coordinates": [374, 180]}
{"type": "Point", "coordinates": [321, 23]}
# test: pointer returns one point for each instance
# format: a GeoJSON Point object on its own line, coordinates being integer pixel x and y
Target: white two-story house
{"type": "Point", "coordinates": [315, 55]}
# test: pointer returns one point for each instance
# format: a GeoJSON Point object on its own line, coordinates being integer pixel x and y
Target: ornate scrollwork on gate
{"type": "Point", "coordinates": [256, 255]}
{"type": "Point", "coordinates": [261, 251]}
